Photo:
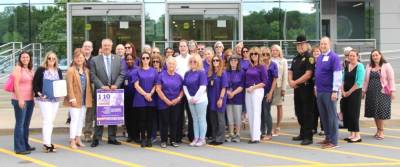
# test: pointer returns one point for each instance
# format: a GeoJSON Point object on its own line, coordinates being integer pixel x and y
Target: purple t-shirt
{"type": "Point", "coordinates": [272, 73]}
{"type": "Point", "coordinates": [214, 88]}
{"type": "Point", "coordinates": [235, 80]}
{"type": "Point", "coordinates": [147, 80]}
{"type": "Point", "coordinates": [324, 69]}
{"type": "Point", "coordinates": [245, 64]}
{"type": "Point", "coordinates": [206, 66]}
{"type": "Point", "coordinates": [193, 80]}
{"type": "Point", "coordinates": [255, 75]}
{"type": "Point", "coordinates": [171, 86]}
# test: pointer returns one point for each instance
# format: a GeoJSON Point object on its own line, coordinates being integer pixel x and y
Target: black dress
{"type": "Point", "coordinates": [351, 104]}
{"type": "Point", "coordinates": [377, 104]}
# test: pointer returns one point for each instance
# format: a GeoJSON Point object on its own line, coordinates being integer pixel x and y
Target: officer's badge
{"type": "Point", "coordinates": [311, 60]}
{"type": "Point", "coordinates": [303, 59]}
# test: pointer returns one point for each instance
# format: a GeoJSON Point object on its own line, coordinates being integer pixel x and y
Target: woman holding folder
{"type": "Point", "coordinates": [78, 96]}
{"type": "Point", "coordinates": [48, 104]}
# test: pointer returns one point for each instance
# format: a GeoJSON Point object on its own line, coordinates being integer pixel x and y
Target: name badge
{"type": "Point", "coordinates": [326, 58]}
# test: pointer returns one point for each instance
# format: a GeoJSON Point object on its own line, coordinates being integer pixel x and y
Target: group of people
{"type": "Point", "coordinates": [210, 88]}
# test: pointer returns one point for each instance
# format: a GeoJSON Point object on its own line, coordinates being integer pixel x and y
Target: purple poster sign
{"type": "Point", "coordinates": [110, 107]}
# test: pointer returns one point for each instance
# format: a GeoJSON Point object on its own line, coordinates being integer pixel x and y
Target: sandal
{"type": "Point", "coordinates": [276, 131]}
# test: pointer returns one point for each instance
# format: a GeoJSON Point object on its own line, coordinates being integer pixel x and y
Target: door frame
{"type": "Point", "coordinates": [102, 9]}
{"type": "Point", "coordinates": [184, 8]}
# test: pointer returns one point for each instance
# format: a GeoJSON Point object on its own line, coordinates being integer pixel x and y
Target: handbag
{"type": "Point", "coordinates": [9, 85]}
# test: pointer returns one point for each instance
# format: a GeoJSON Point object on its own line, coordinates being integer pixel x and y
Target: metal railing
{"type": "Point", "coordinates": [9, 54]}
{"type": "Point", "coordinates": [288, 46]}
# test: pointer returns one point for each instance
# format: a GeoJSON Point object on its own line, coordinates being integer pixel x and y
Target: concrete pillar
{"type": "Point", "coordinates": [387, 24]}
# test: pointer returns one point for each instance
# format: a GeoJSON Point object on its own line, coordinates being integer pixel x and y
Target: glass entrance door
{"type": "Point", "coordinates": [94, 22]}
{"type": "Point", "coordinates": [203, 22]}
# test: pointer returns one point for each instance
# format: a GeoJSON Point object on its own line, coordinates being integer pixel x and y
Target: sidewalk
{"type": "Point", "coordinates": [7, 119]}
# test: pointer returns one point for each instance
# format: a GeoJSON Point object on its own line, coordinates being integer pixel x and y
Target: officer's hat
{"type": "Point", "coordinates": [301, 39]}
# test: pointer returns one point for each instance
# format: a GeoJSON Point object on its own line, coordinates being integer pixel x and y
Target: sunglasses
{"type": "Point", "coordinates": [192, 61]}
{"type": "Point", "coordinates": [145, 58]}
{"type": "Point", "coordinates": [216, 60]}
{"type": "Point", "coordinates": [251, 54]}
{"type": "Point", "coordinates": [51, 58]}
{"type": "Point", "coordinates": [245, 51]}
{"type": "Point", "coordinates": [156, 61]}
{"type": "Point", "coordinates": [265, 54]}
{"type": "Point", "coordinates": [128, 47]}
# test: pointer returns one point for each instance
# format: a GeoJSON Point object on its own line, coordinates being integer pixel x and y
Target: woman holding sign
{"type": "Point", "coordinates": [48, 104]}
{"type": "Point", "coordinates": [144, 80]}
{"type": "Point", "coordinates": [78, 96]}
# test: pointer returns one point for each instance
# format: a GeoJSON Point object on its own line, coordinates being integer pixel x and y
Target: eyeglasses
{"type": "Point", "coordinates": [51, 58]}
{"type": "Point", "coordinates": [265, 54]}
{"type": "Point", "coordinates": [128, 47]}
{"type": "Point", "coordinates": [218, 47]}
{"type": "Point", "coordinates": [252, 54]}
{"type": "Point", "coordinates": [192, 61]}
{"type": "Point", "coordinates": [145, 58]}
{"type": "Point", "coordinates": [156, 52]}
{"type": "Point", "coordinates": [200, 49]}
{"type": "Point", "coordinates": [216, 60]}
{"type": "Point", "coordinates": [245, 51]}
{"type": "Point", "coordinates": [156, 61]}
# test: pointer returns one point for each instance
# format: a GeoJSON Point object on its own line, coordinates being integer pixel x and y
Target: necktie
{"type": "Point", "coordinates": [109, 69]}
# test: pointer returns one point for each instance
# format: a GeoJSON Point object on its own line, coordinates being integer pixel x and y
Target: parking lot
{"type": "Point", "coordinates": [280, 151]}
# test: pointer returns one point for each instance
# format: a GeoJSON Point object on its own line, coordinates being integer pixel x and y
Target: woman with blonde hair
{"type": "Point", "coordinates": [48, 105]}
{"type": "Point", "coordinates": [255, 81]}
{"type": "Point", "coordinates": [78, 96]}
{"type": "Point", "coordinates": [281, 82]}
{"type": "Point", "coordinates": [194, 86]}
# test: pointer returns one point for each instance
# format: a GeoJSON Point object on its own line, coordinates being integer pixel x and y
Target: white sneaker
{"type": "Point", "coordinates": [193, 143]}
{"type": "Point", "coordinates": [200, 142]}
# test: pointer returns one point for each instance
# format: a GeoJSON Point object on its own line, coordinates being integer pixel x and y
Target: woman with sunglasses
{"type": "Point", "coordinates": [245, 61]}
{"type": "Point", "coordinates": [219, 49]}
{"type": "Point", "coordinates": [48, 105]}
{"type": "Point", "coordinates": [270, 85]}
{"type": "Point", "coordinates": [256, 78]}
{"type": "Point", "coordinates": [235, 95]}
{"type": "Point", "coordinates": [194, 87]}
{"type": "Point", "coordinates": [144, 80]}
{"type": "Point", "coordinates": [216, 91]}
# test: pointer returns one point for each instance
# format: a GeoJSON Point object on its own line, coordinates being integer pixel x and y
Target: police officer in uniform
{"type": "Point", "coordinates": [300, 79]}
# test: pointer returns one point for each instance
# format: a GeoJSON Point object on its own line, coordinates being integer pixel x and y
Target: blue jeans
{"type": "Point", "coordinates": [327, 113]}
{"type": "Point", "coordinates": [199, 112]}
{"type": "Point", "coordinates": [22, 121]}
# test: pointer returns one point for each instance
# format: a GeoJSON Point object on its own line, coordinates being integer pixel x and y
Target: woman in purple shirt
{"type": "Point", "coordinates": [235, 97]}
{"type": "Point", "coordinates": [272, 75]}
{"type": "Point", "coordinates": [245, 61]}
{"type": "Point", "coordinates": [216, 91]}
{"type": "Point", "coordinates": [208, 55]}
{"type": "Point", "coordinates": [169, 90]}
{"type": "Point", "coordinates": [256, 78]}
{"type": "Point", "coordinates": [131, 118]}
{"type": "Point", "coordinates": [194, 86]}
{"type": "Point", "coordinates": [144, 80]}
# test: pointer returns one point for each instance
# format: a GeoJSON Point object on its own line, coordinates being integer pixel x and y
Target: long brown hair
{"type": "Point", "coordinates": [30, 64]}
{"type": "Point", "coordinates": [372, 63]}
{"type": "Point", "coordinates": [220, 68]}
{"type": "Point", "coordinates": [133, 49]}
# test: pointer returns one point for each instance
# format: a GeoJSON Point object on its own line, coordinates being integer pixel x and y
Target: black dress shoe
{"type": "Point", "coordinates": [355, 141]}
{"type": "Point", "coordinates": [23, 152]}
{"type": "Point", "coordinates": [114, 142]}
{"type": "Point", "coordinates": [215, 143]}
{"type": "Point", "coordinates": [95, 143]}
{"type": "Point", "coordinates": [253, 141]}
{"type": "Point", "coordinates": [31, 149]}
{"type": "Point", "coordinates": [347, 139]}
{"type": "Point", "coordinates": [297, 138]}
{"type": "Point", "coordinates": [306, 142]}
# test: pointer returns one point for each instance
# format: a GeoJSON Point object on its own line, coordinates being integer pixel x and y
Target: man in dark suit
{"type": "Point", "coordinates": [106, 72]}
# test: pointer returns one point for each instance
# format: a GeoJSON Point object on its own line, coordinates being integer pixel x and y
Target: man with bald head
{"type": "Point", "coordinates": [107, 73]}
{"type": "Point", "coordinates": [328, 79]}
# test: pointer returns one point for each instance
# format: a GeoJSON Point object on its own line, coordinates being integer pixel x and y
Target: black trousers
{"type": "Point", "coordinates": [351, 111]}
{"type": "Point", "coordinates": [217, 120]}
{"type": "Point", "coordinates": [131, 118]}
{"type": "Point", "coordinates": [208, 119]}
{"type": "Point", "coordinates": [146, 115]}
{"type": "Point", "coordinates": [181, 121]}
{"type": "Point", "coordinates": [168, 122]}
{"type": "Point", "coordinates": [303, 106]}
